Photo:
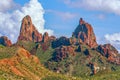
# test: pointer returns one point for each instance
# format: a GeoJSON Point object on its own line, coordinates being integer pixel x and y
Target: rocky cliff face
{"type": "Point", "coordinates": [61, 41]}
{"type": "Point", "coordinates": [28, 32]}
{"type": "Point", "coordinates": [109, 52]}
{"type": "Point", "coordinates": [5, 41]}
{"type": "Point", "coordinates": [63, 52]}
{"type": "Point", "coordinates": [85, 33]}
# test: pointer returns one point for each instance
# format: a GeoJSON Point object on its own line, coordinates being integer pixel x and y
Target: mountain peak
{"type": "Point", "coordinates": [81, 21]}
{"type": "Point", "coordinates": [85, 33]}
{"type": "Point", "coordinates": [28, 32]}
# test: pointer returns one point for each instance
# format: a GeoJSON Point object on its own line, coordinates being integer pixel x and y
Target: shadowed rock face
{"type": "Point", "coordinates": [28, 32]}
{"type": "Point", "coordinates": [85, 33]}
{"type": "Point", "coordinates": [109, 52]}
{"type": "Point", "coordinates": [63, 52]}
{"type": "Point", "coordinates": [5, 41]}
{"type": "Point", "coordinates": [60, 41]}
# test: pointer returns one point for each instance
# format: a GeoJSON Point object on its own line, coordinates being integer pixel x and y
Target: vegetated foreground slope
{"type": "Point", "coordinates": [21, 65]}
{"type": "Point", "coordinates": [24, 66]}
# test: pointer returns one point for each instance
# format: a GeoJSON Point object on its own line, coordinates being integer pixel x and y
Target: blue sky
{"type": "Point", "coordinates": [103, 22]}
{"type": "Point", "coordinates": [62, 16]}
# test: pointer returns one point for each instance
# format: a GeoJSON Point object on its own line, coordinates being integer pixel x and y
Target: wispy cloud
{"type": "Point", "coordinates": [7, 5]}
{"type": "Point", "coordinates": [63, 15]}
{"type": "Point", "coordinates": [114, 39]}
{"type": "Point", "coordinates": [112, 6]}
{"type": "Point", "coordinates": [101, 16]}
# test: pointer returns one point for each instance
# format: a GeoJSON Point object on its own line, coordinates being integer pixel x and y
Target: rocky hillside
{"type": "Point", "coordinates": [24, 66]}
{"type": "Point", "coordinates": [43, 57]}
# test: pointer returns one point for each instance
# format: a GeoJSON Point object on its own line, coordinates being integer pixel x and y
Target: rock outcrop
{"type": "Point", "coordinates": [61, 41]}
{"type": "Point", "coordinates": [94, 68]}
{"type": "Point", "coordinates": [63, 52]}
{"type": "Point", "coordinates": [52, 38]}
{"type": "Point", "coordinates": [5, 41]}
{"type": "Point", "coordinates": [109, 52]}
{"type": "Point", "coordinates": [45, 37]}
{"type": "Point", "coordinates": [85, 33]}
{"type": "Point", "coordinates": [28, 32]}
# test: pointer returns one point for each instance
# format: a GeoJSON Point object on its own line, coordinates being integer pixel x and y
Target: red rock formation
{"type": "Point", "coordinates": [5, 41]}
{"type": "Point", "coordinates": [63, 52]}
{"type": "Point", "coordinates": [81, 21]}
{"type": "Point", "coordinates": [52, 38]}
{"type": "Point", "coordinates": [45, 37]}
{"type": "Point", "coordinates": [85, 33]}
{"type": "Point", "coordinates": [28, 32]}
{"type": "Point", "coordinates": [109, 52]}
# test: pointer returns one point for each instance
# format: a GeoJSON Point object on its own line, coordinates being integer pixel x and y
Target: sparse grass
{"type": "Point", "coordinates": [10, 76]}
{"type": "Point", "coordinates": [44, 56]}
{"type": "Point", "coordinates": [28, 45]}
{"type": "Point", "coordinates": [7, 52]}
{"type": "Point", "coordinates": [1, 46]}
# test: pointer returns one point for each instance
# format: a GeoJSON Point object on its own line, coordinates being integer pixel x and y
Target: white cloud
{"type": "Point", "coordinates": [114, 39]}
{"type": "Point", "coordinates": [101, 40]}
{"type": "Point", "coordinates": [112, 6]}
{"type": "Point", "coordinates": [10, 22]}
{"type": "Point", "coordinates": [6, 5]}
{"type": "Point", "coordinates": [63, 15]}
